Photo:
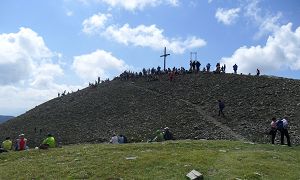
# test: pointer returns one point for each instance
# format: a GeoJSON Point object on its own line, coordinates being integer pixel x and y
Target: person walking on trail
{"type": "Point", "coordinates": [221, 107]}
{"type": "Point", "coordinates": [273, 130]}
{"type": "Point", "coordinates": [282, 126]}
{"type": "Point", "coordinates": [235, 67]}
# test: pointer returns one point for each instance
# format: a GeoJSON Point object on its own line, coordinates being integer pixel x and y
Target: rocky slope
{"type": "Point", "coordinates": [188, 106]}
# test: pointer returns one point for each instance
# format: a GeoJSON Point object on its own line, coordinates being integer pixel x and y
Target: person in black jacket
{"type": "Point", "coordinates": [221, 107]}
{"type": "Point", "coordinates": [167, 134]}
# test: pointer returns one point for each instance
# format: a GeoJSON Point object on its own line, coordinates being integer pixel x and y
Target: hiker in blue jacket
{"type": "Point", "coordinates": [282, 126]}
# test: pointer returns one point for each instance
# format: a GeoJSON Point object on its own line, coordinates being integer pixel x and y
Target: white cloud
{"type": "Point", "coordinates": [95, 23]}
{"type": "Point", "coordinates": [16, 100]}
{"type": "Point", "coordinates": [132, 5]}
{"type": "Point", "coordinates": [28, 72]}
{"type": "Point", "coordinates": [22, 54]}
{"type": "Point", "coordinates": [151, 36]}
{"type": "Point", "coordinates": [228, 16]}
{"type": "Point", "coordinates": [267, 22]}
{"type": "Point", "coordinates": [281, 51]}
{"type": "Point", "coordinates": [98, 63]}
{"type": "Point", "coordinates": [69, 13]}
{"type": "Point", "coordinates": [210, 1]}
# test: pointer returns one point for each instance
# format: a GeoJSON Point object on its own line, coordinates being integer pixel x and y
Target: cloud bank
{"type": "Point", "coordinates": [281, 51]}
{"type": "Point", "coordinates": [151, 36]}
{"type": "Point", "coordinates": [132, 5]}
{"type": "Point", "coordinates": [28, 72]}
{"type": "Point", "coordinates": [98, 63]}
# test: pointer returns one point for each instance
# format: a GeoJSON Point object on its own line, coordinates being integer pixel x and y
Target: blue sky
{"type": "Point", "coordinates": [47, 47]}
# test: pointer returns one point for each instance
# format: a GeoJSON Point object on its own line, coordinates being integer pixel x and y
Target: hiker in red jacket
{"type": "Point", "coordinates": [21, 143]}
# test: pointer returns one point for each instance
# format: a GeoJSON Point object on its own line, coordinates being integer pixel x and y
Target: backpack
{"type": "Point", "coordinates": [279, 124]}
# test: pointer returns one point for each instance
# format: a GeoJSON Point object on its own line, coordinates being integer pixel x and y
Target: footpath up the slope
{"type": "Point", "coordinates": [206, 117]}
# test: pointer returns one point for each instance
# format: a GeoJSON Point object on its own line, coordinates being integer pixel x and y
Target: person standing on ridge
{"type": "Point", "coordinates": [257, 72]}
{"type": "Point", "coordinates": [235, 67]}
{"type": "Point", "coordinates": [208, 67]}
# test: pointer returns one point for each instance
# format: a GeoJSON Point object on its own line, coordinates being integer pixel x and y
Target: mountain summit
{"type": "Point", "coordinates": [188, 106]}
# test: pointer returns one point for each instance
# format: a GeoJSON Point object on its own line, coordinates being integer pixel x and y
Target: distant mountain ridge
{"type": "Point", "coordinates": [5, 118]}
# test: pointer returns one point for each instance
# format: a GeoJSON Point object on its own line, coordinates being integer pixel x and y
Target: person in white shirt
{"type": "Point", "coordinates": [282, 126]}
{"type": "Point", "coordinates": [114, 139]}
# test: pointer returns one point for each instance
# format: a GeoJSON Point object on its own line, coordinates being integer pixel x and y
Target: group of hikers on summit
{"type": "Point", "coordinates": [21, 143]}
{"type": "Point", "coordinates": [194, 67]}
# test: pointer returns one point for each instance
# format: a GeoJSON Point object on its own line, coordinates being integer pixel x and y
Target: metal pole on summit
{"type": "Point", "coordinates": [165, 56]}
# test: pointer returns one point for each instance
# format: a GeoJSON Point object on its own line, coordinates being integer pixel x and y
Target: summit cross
{"type": "Point", "coordinates": [165, 57]}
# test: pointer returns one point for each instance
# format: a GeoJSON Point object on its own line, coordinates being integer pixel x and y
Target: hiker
{"type": "Point", "coordinates": [257, 72]}
{"type": "Point", "coordinates": [49, 142]}
{"type": "Point", "coordinates": [224, 68]}
{"type": "Point", "coordinates": [194, 65]}
{"type": "Point", "coordinates": [273, 130]}
{"type": "Point", "coordinates": [21, 143]}
{"type": "Point", "coordinates": [208, 67]}
{"type": "Point", "coordinates": [221, 107]}
{"type": "Point", "coordinates": [6, 145]}
{"type": "Point", "coordinates": [171, 76]}
{"type": "Point", "coordinates": [167, 134]}
{"type": "Point", "coordinates": [159, 136]}
{"type": "Point", "coordinates": [197, 66]}
{"type": "Point", "coordinates": [282, 126]}
{"type": "Point", "coordinates": [218, 68]}
{"type": "Point", "coordinates": [235, 67]}
{"type": "Point", "coordinates": [114, 139]}
{"type": "Point", "coordinates": [122, 139]}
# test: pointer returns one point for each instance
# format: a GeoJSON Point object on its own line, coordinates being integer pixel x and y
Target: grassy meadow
{"type": "Point", "coordinates": [167, 160]}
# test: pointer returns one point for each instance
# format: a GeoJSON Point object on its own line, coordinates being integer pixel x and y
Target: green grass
{"type": "Point", "coordinates": [168, 160]}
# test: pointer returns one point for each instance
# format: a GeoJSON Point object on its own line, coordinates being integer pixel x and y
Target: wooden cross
{"type": "Point", "coordinates": [165, 56]}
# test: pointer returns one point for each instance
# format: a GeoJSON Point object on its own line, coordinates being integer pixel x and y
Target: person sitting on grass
{"type": "Point", "coordinates": [167, 134]}
{"type": "Point", "coordinates": [7, 144]}
{"type": "Point", "coordinates": [159, 136]}
{"type": "Point", "coordinates": [114, 139]}
{"type": "Point", "coordinates": [21, 143]}
{"type": "Point", "coordinates": [49, 142]}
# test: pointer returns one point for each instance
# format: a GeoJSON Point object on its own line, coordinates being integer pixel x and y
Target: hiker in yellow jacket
{"type": "Point", "coordinates": [49, 142]}
{"type": "Point", "coordinates": [7, 144]}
